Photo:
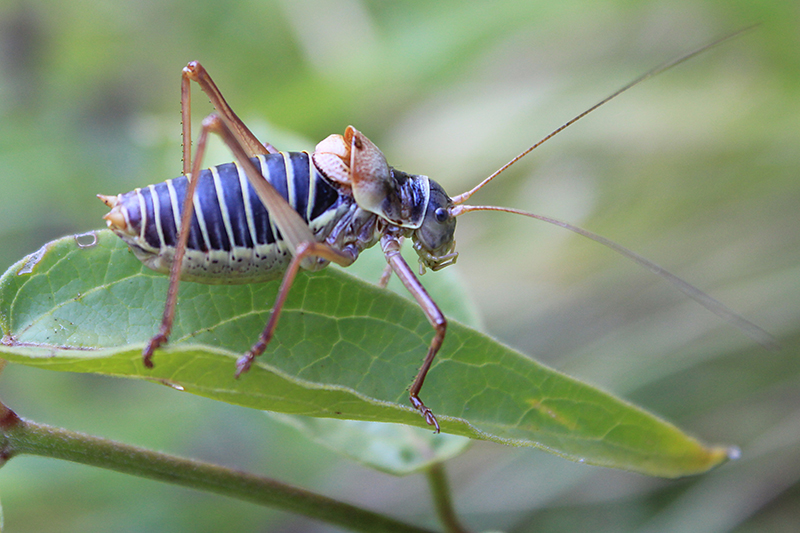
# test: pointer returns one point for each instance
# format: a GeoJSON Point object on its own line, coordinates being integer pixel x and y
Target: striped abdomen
{"type": "Point", "coordinates": [232, 238]}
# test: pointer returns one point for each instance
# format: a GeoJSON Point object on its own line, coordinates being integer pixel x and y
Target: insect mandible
{"type": "Point", "coordinates": [271, 213]}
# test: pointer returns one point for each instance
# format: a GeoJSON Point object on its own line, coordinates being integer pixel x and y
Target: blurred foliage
{"type": "Point", "coordinates": [696, 169]}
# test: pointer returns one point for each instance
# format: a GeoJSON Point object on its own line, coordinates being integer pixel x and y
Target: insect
{"type": "Point", "coordinates": [270, 213]}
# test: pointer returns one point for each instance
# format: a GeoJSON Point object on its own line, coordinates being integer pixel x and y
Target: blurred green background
{"type": "Point", "coordinates": [696, 169]}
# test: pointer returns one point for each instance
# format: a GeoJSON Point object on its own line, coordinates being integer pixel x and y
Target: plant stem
{"type": "Point", "coordinates": [19, 436]}
{"type": "Point", "coordinates": [444, 503]}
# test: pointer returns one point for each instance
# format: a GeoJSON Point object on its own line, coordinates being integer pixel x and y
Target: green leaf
{"type": "Point", "coordinates": [343, 349]}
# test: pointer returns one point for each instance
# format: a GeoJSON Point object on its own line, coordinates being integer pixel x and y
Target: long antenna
{"type": "Point", "coordinates": [715, 306]}
{"type": "Point", "coordinates": [461, 198]}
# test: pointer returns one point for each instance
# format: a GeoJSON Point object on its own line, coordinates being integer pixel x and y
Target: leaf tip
{"type": "Point", "coordinates": [718, 455]}
{"type": "Point", "coordinates": [733, 453]}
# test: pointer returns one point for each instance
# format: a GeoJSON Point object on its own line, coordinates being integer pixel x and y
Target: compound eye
{"type": "Point", "coordinates": [441, 214]}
